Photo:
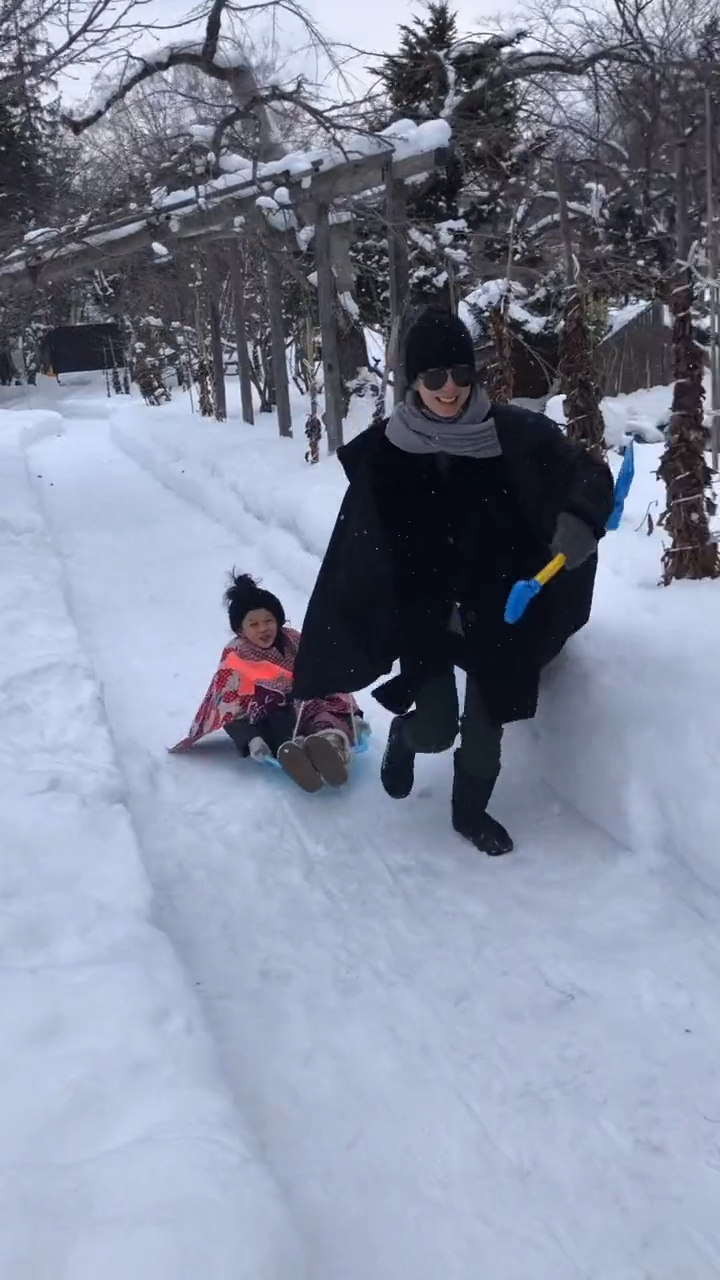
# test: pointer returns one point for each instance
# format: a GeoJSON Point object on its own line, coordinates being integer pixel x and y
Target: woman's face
{"type": "Point", "coordinates": [449, 399]}
{"type": "Point", "coordinates": [260, 628]}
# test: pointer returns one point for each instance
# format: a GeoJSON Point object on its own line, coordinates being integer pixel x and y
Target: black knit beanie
{"type": "Point", "coordinates": [437, 340]}
{"type": "Point", "coordinates": [244, 594]}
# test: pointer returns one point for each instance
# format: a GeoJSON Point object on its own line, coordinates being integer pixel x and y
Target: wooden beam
{"type": "Point", "coordinates": [399, 273]}
{"type": "Point", "coordinates": [94, 247]}
{"type": "Point", "coordinates": [239, 313]}
{"type": "Point", "coordinates": [277, 337]}
{"type": "Point", "coordinates": [357, 176]}
{"type": "Point", "coordinates": [328, 328]}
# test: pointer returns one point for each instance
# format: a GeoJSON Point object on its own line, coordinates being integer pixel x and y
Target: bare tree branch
{"type": "Point", "coordinates": [62, 33]}
{"type": "Point", "coordinates": [521, 65]}
{"type": "Point", "coordinates": [212, 31]}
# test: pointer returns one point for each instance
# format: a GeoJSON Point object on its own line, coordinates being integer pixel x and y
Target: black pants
{"type": "Point", "coordinates": [274, 730]}
{"type": "Point", "coordinates": [433, 726]}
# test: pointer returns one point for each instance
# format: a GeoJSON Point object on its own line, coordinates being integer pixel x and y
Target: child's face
{"type": "Point", "coordinates": [260, 628]}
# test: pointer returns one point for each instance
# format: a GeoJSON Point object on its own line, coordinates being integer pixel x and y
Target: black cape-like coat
{"type": "Point", "coordinates": [357, 622]}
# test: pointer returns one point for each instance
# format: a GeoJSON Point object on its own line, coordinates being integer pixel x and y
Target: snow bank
{"type": "Point", "coordinates": [627, 730]}
{"type": "Point", "coordinates": [123, 1155]}
{"type": "Point", "coordinates": [246, 477]}
{"type": "Point", "coordinates": [642, 415]}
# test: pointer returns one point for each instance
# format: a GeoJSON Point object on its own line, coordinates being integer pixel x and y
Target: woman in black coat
{"type": "Point", "coordinates": [450, 502]}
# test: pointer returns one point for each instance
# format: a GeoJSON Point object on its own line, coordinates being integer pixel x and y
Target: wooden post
{"type": "Point", "coordinates": [399, 274]}
{"type": "Point", "coordinates": [277, 336]}
{"type": "Point", "coordinates": [352, 346]}
{"type": "Point", "coordinates": [244, 367]}
{"type": "Point", "coordinates": [216, 347]}
{"type": "Point", "coordinates": [565, 228]}
{"type": "Point", "coordinates": [341, 238]}
{"type": "Point", "coordinates": [328, 330]}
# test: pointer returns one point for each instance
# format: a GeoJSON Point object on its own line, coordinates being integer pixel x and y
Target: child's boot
{"type": "Point", "coordinates": [296, 763]}
{"type": "Point", "coordinates": [329, 751]}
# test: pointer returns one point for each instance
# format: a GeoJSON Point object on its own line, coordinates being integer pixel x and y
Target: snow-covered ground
{"type": "Point", "coordinates": [122, 1152]}
{"type": "Point", "coordinates": [424, 1063]}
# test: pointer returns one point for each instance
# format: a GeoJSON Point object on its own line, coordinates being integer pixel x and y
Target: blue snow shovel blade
{"type": "Point", "coordinates": [526, 590]}
{"type": "Point", "coordinates": [622, 487]}
{"type": "Point", "coordinates": [520, 596]}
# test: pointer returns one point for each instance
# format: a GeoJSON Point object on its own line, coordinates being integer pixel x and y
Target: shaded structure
{"type": "Point", "coordinates": [82, 348]}
{"type": "Point", "coordinates": [637, 352]}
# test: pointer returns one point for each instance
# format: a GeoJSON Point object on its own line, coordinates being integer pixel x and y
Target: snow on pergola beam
{"type": "Point", "coordinates": [221, 205]}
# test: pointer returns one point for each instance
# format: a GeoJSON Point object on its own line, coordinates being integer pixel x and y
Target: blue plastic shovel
{"type": "Point", "coordinates": [526, 590]}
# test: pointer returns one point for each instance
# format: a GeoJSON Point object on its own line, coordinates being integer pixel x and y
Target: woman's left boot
{"type": "Point", "coordinates": [397, 771]}
{"type": "Point", "coordinates": [470, 818]}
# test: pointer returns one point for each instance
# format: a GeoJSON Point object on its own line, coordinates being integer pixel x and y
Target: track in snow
{"type": "Point", "coordinates": [456, 1067]}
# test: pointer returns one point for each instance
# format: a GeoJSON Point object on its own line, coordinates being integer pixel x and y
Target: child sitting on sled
{"type": "Point", "coordinates": [250, 697]}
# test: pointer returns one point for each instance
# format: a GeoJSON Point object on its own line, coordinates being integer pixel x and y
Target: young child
{"type": "Point", "coordinates": [250, 696]}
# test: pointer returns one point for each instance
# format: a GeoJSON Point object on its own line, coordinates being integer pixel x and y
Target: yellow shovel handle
{"type": "Point", "coordinates": [555, 565]}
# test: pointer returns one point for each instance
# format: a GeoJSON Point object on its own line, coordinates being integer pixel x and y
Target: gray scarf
{"type": "Point", "coordinates": [472, 434]}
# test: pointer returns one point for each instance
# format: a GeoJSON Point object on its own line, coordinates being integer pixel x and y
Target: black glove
{"type": "Point", "coordinates": [573, 539]}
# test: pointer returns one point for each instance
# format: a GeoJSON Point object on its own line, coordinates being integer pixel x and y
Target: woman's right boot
{"type": "Point", "coordinates": [470, 818]}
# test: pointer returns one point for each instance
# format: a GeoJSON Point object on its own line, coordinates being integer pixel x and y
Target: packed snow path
{"type": "Point", "coordinates": [456, 1068]}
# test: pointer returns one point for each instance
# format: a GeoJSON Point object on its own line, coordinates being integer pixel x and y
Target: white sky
{"type": "Point", "coordinates": [365, 24]}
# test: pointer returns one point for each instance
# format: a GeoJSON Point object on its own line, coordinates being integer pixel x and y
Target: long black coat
{"type": "Point", "coordinates": [357, 623]}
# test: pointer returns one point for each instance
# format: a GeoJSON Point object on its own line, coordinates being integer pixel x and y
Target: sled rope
{"type": "Point", "coordinates": [297, 721]}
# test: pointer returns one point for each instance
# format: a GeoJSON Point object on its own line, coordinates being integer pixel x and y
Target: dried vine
{"type": "Point", "coordinates": [582, 398]}
{"type": "Point", "coordinates": [501, 375]}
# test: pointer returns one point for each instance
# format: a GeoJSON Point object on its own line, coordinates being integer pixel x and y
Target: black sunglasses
{"type": "Point", "coordinates": [462, 375]}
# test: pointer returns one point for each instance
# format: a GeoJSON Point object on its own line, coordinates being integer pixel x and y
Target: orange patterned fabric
{"type": "Point", "coordinates": [250, 683]}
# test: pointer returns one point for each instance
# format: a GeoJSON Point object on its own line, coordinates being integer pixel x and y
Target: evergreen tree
{"type": "Point", "coordinates": [431, 76]}
{"type": "Point", "coordinates": [31, 140]}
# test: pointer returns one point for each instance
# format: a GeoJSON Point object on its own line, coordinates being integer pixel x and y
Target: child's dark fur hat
{"type": "Point", "coordinates": [245, 594]}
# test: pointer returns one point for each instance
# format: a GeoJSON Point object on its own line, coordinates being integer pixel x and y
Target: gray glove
{"type": "Point", "coordinates": [573, 539]}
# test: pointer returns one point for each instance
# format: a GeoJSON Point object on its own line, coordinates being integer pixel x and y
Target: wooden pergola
{"type": "Point", "coordinates": [227, 209]}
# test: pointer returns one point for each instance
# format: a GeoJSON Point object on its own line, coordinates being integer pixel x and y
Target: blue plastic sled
{"type": "Point", "coordinates": [358, 749]}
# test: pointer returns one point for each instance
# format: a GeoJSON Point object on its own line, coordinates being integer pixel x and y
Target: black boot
{"type": "Point", "coordinates": [470, 817]}
{"type": "Point", "coordinates": [397, 771]}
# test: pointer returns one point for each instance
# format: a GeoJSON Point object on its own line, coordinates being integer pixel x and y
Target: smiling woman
{"type": "Point", "coordinates": [450, 502]}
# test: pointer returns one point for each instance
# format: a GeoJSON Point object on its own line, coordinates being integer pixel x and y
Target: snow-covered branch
{"type": "Point", "coordinates": [186, 54]}
{"type": "Point", "coordinates": [523, 64]}
{"type": "Point", "coordinates": [218, 54]}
